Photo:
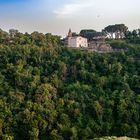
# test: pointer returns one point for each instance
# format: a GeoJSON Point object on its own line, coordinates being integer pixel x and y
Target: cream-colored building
{"type": "Point", "coordinates": [77, 41]}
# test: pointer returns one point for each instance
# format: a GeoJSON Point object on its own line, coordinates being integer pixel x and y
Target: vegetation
{"type": "Point", "coordinates": [49, 91]}
{"type": "Point", "coordinates": [115, 138]}
{"type": "Point", "coordinates": [118, 30]}
{"type": "Point", "coordinates": [88, 33]}
{"type": "Point", "coordinates": [133, 36]}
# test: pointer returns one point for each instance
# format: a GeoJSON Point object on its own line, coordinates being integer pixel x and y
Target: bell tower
{"type": "Point", "coordinates": [70, 33]}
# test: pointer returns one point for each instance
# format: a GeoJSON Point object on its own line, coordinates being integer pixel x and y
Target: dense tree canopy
{"type": "Point", "coordinates": [133, 36]}
{"type": "Point", "coordinates": [118, 30]}
{"type": "Point", "coordinates": [49, 91]}
{"type": "Point", "coordinates": [88, 33]}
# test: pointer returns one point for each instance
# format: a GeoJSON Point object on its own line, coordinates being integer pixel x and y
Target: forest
{"type": "Point", "coordinates": [51, 92]}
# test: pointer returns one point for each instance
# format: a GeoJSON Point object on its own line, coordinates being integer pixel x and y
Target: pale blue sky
{"type": "Point", "coordinates": [57, 16]}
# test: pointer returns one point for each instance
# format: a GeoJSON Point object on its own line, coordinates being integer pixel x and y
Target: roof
{"type": "Point", "coordinates": [77, 37]}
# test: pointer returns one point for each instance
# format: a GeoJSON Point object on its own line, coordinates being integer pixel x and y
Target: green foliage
{"type": "Point", "coordinates": [133, 36]}
{"type": "Point", "coordinates": [115, 138]}
{"type": "Point", "coordinates": [118, 30]}
{"type": "Point", "coordinates": [48, 91]}
{"type": "Point", "coordinates": [88, 33]}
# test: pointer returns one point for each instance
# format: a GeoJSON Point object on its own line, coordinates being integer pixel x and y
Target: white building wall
{"type": "Point", "coordinates": [72, 42]}
{"type": "Point", "coordinates": [77, 41]}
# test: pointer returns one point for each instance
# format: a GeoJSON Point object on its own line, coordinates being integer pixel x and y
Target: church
{"type": "Point", "coordinates": [76, 41]}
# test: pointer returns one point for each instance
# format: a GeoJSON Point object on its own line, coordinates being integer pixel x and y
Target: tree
{"type": "Point", "coordinates": [87, 33]}
{"type": "Point", "coordinates": [116, 31]}
{"type": "Point", "coordinates": [13, 32]}
{"type": "Point", "coordinates": [38, 38]}
{"type": "Point", "coordinates": [3, 36]}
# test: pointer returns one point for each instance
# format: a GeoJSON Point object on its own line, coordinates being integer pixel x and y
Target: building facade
{"type": "Point", "coordinates": [77, 41]}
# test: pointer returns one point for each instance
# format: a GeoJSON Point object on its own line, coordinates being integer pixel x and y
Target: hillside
{"type": "Point", "coordinates": [49, 91]}
{"type": "Point", "coordinates": [115, 138]}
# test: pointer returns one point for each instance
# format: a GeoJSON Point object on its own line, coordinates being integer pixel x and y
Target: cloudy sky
{"type": "Point", "coordinates": [57, 16]}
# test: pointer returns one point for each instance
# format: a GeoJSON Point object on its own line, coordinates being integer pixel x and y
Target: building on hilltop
{"type": "Point", "coordinates": [74, 40]}
{"type": "Point", "coordinates": [72, 34]}
{"type": "Point", "coordinates": [98, 43]}
{"type": "Point", "coordinates": [77, 41]}
{"type": "Point", "coordinates": [69, 33]}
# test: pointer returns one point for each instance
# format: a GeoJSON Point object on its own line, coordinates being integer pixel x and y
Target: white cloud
{"type": "Point", "coordinates": [71, 9]}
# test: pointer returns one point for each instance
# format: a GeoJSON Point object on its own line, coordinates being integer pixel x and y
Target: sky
{"type": "Point", "coordinates": [57, 16]}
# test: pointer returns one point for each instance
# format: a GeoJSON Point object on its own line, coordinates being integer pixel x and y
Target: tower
{"type": "Point", "coordinates": [70, 33]}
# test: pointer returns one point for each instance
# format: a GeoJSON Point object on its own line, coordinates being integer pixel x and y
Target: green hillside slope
{"type": "Point", "coordinates": [49, 91]}
{"type": "Point", "coordinates": [115, 138]}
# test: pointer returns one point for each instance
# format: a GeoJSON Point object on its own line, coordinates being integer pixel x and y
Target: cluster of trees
{"type": "Point", "coordinates": [115, 138]}
{"type": "Point", "coordinates": [49, 91]}
{"type": "Point", "coordinates": [133, 36]}
{"type": "Point", "coordinates": [91, 34]}
{"type": "Point", "coordinates": [116, 31]}
{"type": "Point", "coordinates": [16, 38]}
